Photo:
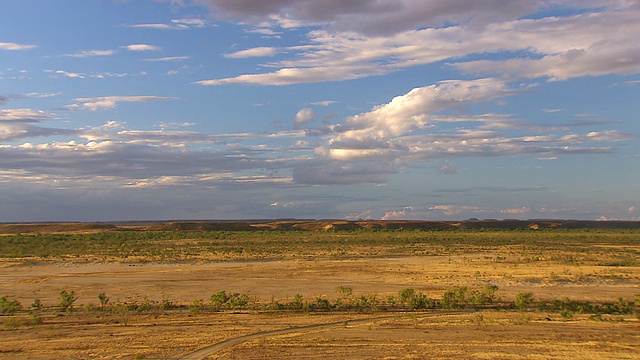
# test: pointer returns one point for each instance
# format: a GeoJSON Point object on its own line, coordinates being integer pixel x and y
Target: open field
{"type": "Point", "coordinates": [159, 280]}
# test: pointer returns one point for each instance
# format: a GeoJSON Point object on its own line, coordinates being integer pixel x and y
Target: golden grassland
{"type": "Point", "coordinates": [584, 286]}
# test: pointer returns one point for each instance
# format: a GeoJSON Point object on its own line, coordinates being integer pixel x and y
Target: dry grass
{"type": "Point", "coordinates": [596, 269]}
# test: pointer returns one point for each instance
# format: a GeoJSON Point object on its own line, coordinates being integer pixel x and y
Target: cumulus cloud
{"type": "Point", "coordinates": [15, 47]}
{"type": "Point", "coordinates": [367, 147]}
{"type": "Point", "coordinates": [408, 113]}
{"type": "Point", "coordinates": [110, 102]}
{"type": "Point", "coordinates": [303, 117]}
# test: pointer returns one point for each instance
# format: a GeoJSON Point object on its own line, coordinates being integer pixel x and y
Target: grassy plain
{"type": "Point", "coordinates": [159, 281]}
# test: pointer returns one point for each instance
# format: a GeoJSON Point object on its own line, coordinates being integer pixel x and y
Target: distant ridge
{"type": "Point", "coordinates": [312, 225]}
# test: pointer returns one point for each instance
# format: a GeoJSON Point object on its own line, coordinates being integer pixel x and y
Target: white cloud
{"type": "Point", "coordinates": [24, 115]}
{"type": "Point", "coordinates": [304, 116]}
{"type": "Point", "coordinates": [266, 32]}
{"type": "Point", "coordinates": [159, 26]}
{"type": "Point", "coordinates": [142, 47]}
{"type": "Point", "coordinates": [367, 147]}
{"type": "Point", "coordinates": [254, 52]}
{"type": "Point", "coordinates": [91, 53]}
{"type": "Point", "coordinates": [170, 58]}
{"type": "Point", "coordinates": [41, 95]}
{"type": "Point", "coordinates": [67, 74]}
{"type": "Point", "coordinates": [554, 47]}
{"type": "Point", "coordinates": [176, 24]}
{"type": "Point", "coordinates": [516, 211]}
{"type": "Point", "coordinates": [15, 47]}
{"type": "Point", "coordinates": [408, 113]}
{"type": "Point", "coordinates": [289, 76]}
{"type": "Point", "coordinates": [324, 103]}
{"type": "Point", "coordinates": [56, 73]}
{"type": "Point", "coordinates": [110, 102]}
{"type": "Point", "coordinates": [194, 22]}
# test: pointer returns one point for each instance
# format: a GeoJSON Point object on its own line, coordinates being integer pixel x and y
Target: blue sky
{"type": "Point", "coordinates": [362, 109]}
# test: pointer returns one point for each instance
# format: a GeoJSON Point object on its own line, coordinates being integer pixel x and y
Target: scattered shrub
{"type": "Point", "coordinates": [196, 306]}
{"type": "Point", "coordinates": [66, 300]}
{"type": "Point", "coordinates": [9, 307]}
{"type": "Point", "coordinates": [523, 300]}
{"type": "Point", "coordinates": [219, 299]}
{"type": "Point", "coordinates": [104, 299]}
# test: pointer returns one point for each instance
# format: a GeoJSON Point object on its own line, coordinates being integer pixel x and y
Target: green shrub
{"type": "Point", "coordinates": [405, 295]}
{"type": "Point", "coordinates": [36, 305]}
{"type": "Point", "coordinates": [104, 299]}
{"type": "Point", "coordinates": [196, 306]}
{"type": "Point", "coordinates": [219, 299]}
{"type": "Point", "coordinates": [9, 307]}
{"type": "Point", "coordinates": [523, 300]}
{"type": "Point", "coordinates": [456, 298]}
{"type": "Point", "coordinates": [66, 300]}
{"type": "Point", "coordinates": [237, 300]}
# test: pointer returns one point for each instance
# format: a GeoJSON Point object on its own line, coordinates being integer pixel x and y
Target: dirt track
{"type": "Point", "coordinates": [211, 350]}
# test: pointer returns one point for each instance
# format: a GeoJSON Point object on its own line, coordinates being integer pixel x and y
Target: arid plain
{"type": "Point", "coordinates": [542, 290]}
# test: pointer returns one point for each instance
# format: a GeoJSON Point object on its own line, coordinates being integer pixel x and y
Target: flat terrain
{"type": "Point", "coordinates": [159, 279]}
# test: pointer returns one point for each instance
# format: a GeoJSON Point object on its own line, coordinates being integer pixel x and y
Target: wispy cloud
{"type": "Point", "coordinates": [110, 102]}
{"type": "Point", "coordinates": [24, 115]}
{"type": "Point", "coordinates": [5, 99]}
{"type": "Point", "coordinates": [15, 47]}
{"type": "Point", "coordinates": [92, 53]}
{"type": "Point", "coordinates": [342, 51]}
{"type": "Point", "coordinates": [324, 103]}
{"type": "Point", "coordinates": [170, 58]}
{"type": "Point", "coordinates": [176, 24]}
{"type": "Point", "coordinates": [254, 52]}
{"type": "Point", "coordinates": [57, 73]}
{"type": "Point", "coordinates": [159, 26]}
{"type": "Point", "coordinates": [142, 47]}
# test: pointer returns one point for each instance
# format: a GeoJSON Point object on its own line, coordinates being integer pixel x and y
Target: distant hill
{"type": "Point", "coordinates": [50, 228]}
{"type": "Point", "coordinates": [313, 225]}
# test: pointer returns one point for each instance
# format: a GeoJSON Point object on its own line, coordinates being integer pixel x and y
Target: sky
{"type": "Point", "coordinates": [117, 110]}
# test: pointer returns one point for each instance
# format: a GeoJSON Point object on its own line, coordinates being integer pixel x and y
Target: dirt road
{"type": "Point", "coordinates": [211, 350]}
